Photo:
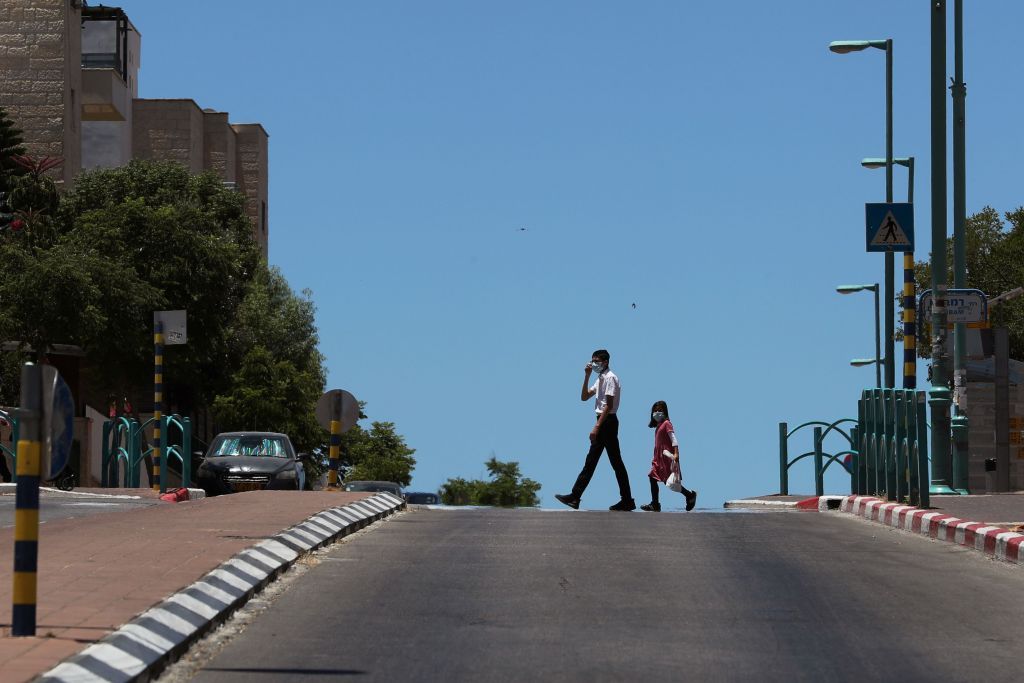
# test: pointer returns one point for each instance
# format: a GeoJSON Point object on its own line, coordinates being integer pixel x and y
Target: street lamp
{"type": "Point", "coordinates": [851, 289]}
{"type": "Point", "coordinates": [844, 47]}
{"type": "Point", "coordinates": [907, 162]}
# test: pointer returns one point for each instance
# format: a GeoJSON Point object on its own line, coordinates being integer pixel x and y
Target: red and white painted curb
{"type": "Point", "coordinates": [991, 540]}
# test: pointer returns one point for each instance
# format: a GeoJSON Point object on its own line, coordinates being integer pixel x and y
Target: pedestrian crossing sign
{"type": "Point", "coordinates": [890, 226]}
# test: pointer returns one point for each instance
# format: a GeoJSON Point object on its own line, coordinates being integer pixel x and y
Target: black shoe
{"type": "Point", "coordinates": [651, 507]}
{"type": "Point", "coordinates": [624, 505]}
{"type": "Point", "coordinates": [691, 500]}
{"type": "Point", "coordinates": [568, 499]}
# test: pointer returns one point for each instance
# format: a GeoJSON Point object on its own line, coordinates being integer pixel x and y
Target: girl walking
{"type": "Point", "coordinates": [663, 465]}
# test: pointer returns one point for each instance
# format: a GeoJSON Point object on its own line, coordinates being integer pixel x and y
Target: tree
{"type": "Point", "coordinates": [49, 289]}
{"type": "Point", "coordinates": [380, 454]}
{"type": "Point", "coordinates": [169, 240]}
{"type": "Point", "coordinates": [10, 147]}
{"type": "Point", "coordinates": [507, 488]}
{"type": "Point", "coordinates": [995, 264]}
{"type": "Point", "coordinates": [280, 372]}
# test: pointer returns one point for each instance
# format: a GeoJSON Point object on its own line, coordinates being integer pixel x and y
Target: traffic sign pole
{"type": "Point", "coordinates": [335, 449]}
{"type": "Point", "coordinates": [890, 335]}
{"type": "Point", "coordinates": [26, 503]}
{"type": "Point", "coordinates": [158, 397]}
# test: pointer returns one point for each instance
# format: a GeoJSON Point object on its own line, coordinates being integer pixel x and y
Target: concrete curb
{"type": "Point", "coordinates": [753, 502]}
{"type": "Point", "coordinates": [991, 540]}
{"type": "Point", "coordinates": [820, 503]}
{"type": "Point", "coordinates": [145, 645]}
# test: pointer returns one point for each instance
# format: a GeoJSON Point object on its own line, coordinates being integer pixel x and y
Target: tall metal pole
{"type": "Point", "coordinates": [939, 399]}
{"type": "Point", "coordinates": [878, 347]}
{"type": "Point", "coordinates": [909, 301]}
{"type": "Point", "coordinates": [158, 397]}
{"type": "Point", "coordinates": [959, 92]}
{"type": "Point", "coordinates": [890, 332]}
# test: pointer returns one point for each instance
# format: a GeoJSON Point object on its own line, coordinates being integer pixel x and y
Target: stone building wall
{"type": "Point", "coordinates": [981, 402]}
{"type": "Point", "coordinates": [253, 167]}
{"type": "Point", "coordinates": [219, 154]}
{"type": "Point", "coordinates": [41, 77]}
{"type": "Point", "coordinates": [168, 130]}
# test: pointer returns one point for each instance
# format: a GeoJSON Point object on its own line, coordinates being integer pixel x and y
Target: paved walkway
{"type": "Point", "coordinates": [994, 509]}
{"type": "Point", "coordinates": [95, 574]}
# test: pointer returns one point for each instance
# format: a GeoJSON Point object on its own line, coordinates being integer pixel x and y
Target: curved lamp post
{"type": "Point", "coordinates": [845, 47]}
{"type": "Point", "coordinates": [859, 362]}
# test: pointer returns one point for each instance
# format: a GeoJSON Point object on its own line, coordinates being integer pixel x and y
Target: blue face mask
{"type": "Point", "coordinates": [658, 416]}
{"type": "Point", "coordinates": [597, 367]}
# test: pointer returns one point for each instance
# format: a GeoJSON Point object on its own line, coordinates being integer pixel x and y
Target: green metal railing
{"type": "Point", "coordinates": [13, 450]}
{"type": "Point", "coordinates": [125, 448]}
{"type": "Point", "coordinates": [894, 440]}
{"type": "Point", "coordinates": [178, 451]}
{"type": "Point", "coordinates": [118, 453]}
{"type": "Point", "coordinates": [822, 460]}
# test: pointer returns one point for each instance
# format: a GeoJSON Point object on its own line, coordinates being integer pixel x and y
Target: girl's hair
{"type": "Point", "coordinates": [664, 408]}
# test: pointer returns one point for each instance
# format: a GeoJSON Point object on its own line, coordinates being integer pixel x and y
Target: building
{"type": "Point", "coordinates": [69, 78]}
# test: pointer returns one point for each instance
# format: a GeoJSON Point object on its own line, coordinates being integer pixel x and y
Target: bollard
{"type": "Point", "coordinates": [26, 504]}
{"type": "Point", "coordinates": [819, 477]}
{"type": "Point", "coordinates": [783, 459]}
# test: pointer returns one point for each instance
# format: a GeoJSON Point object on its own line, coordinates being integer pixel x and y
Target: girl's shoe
{"type": "Point", "coordinates": [651, 507]}
{"type": "Point", "coordinates": [691, 500]}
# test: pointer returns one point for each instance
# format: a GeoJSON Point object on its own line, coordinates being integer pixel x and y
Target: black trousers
{"type": "Point", "coordinates": [607, 437]}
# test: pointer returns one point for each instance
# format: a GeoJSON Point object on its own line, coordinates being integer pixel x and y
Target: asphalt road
{"type": "Point", "coordinates": [68, 504]}
{"type": "Point", "coordinates": [511, 595]}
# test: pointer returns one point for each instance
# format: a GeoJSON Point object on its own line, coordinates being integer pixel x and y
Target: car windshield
{"type": "Point", "coordinates": [266, 446]}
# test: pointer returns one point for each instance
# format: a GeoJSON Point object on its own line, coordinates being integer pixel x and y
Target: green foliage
{"type": "Point", "coordinates": [280, 375]}
{"type": "Point", "coordinates": [380, 454]}
{"type": "Point", "coordinates": [10, 146]}
{"type": "Point", "coordinates": [995, 264]}
{"type": "Point", "coordinates": [170, 240]}
{"type": "Point", "coordinates": [507, 488]}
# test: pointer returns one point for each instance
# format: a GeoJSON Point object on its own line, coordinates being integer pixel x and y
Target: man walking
{"type": "Point", "coordinates": [605, 433]}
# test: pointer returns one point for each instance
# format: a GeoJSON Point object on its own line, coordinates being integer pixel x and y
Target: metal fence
{"type": "Point", "coordinates": [822, 460]}
{"type": "Point", "coordinates": [126, 448]}
{"type": "Point", "coordinates": [894, 442]}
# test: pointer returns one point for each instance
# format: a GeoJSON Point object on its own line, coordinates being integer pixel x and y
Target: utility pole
{"type": "Point", "coordinates": [959, 92]}
{"type": "Point", "coordinates": [939, 399]}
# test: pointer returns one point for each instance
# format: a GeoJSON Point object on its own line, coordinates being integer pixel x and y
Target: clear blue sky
{"type": "Point", "coordinates": [698, 159]}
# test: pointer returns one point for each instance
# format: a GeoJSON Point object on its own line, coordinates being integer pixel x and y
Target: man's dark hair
{"type": "Point", "coordinates": [601, 355]}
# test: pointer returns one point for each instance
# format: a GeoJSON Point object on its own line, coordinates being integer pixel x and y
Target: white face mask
{"type": "Point", "coordinates": [597, 367]}
{"type": "Point", "coordinates": [658, 416]}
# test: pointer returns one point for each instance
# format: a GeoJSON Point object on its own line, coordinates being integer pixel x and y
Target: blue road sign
{"type": "Point", "coordinates": [57, 423]}
{"type": "Point", "coordinates": [890, 227]}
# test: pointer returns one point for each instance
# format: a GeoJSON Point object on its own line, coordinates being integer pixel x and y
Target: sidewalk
{"type": "Point", "coordinates": [97, 573]}
{"type": "Point", "coordinates": [1004, 510]}
{"type": "Point", "coordinates": [989, 523]}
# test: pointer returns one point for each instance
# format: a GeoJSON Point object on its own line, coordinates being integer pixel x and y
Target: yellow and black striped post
{"type": "Point", "coordinates": [909, 323]}
{"type": "Point", "coordinates": [158, 396]}
{"type": "Point", "coordinates": [335, 449]}
{"type": "Point", "coordinates": [26, 503]}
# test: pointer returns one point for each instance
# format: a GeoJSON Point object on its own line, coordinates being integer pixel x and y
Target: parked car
{"type": "Point", "coordinates": [374, 486]}
{"type": "Point", "coordinates": [421, 498]}
{"type": "Point", "coordinates": [250, 461]}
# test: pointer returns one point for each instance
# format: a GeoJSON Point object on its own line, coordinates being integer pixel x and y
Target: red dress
{"type": "Point", "coordinates": [661, 465]}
